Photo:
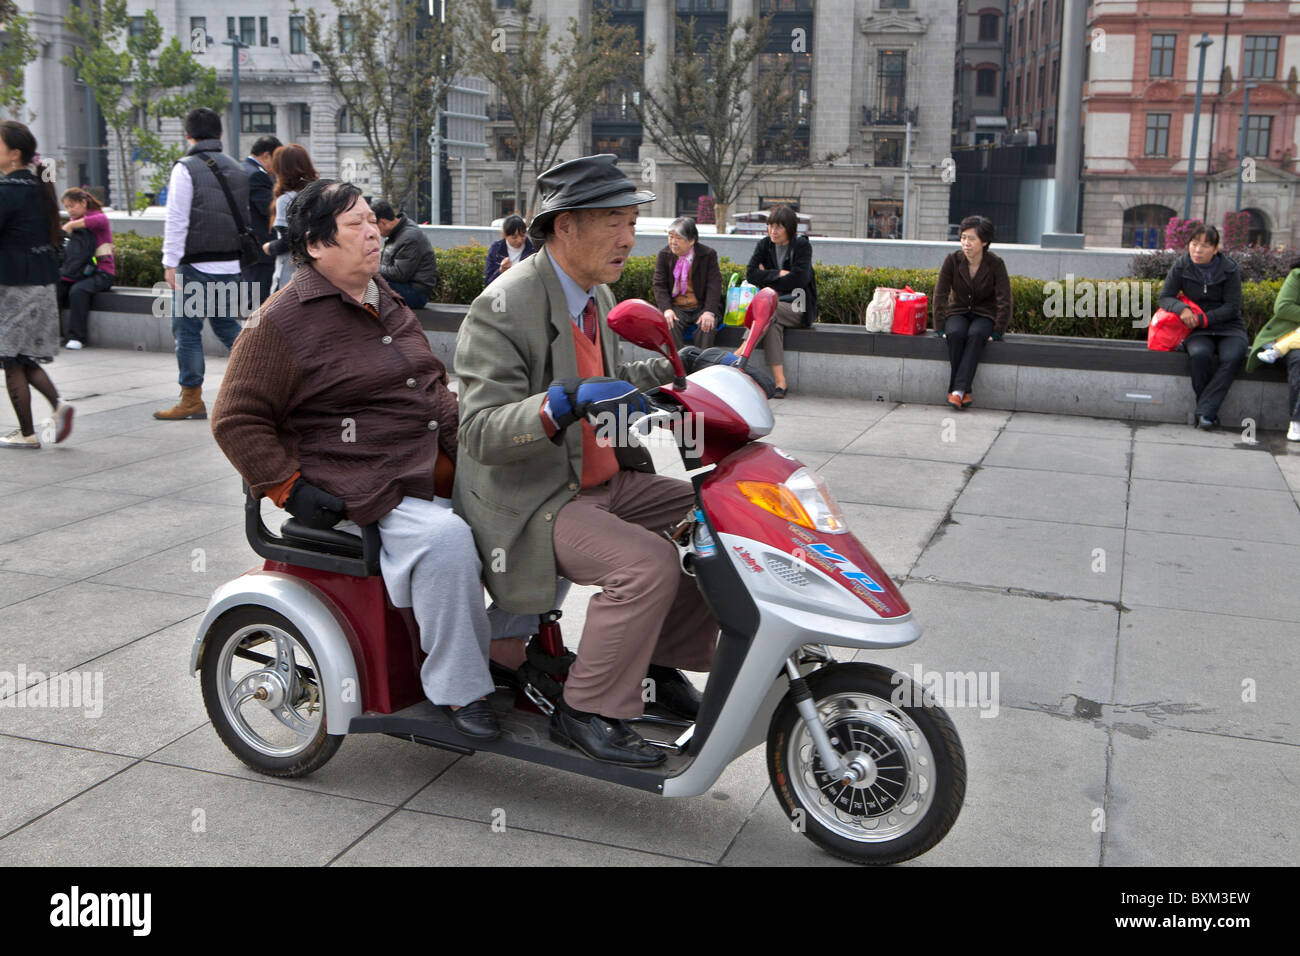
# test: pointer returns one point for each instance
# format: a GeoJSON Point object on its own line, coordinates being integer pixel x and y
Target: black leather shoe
{"type": "Point", "coordinates": [1207, 424]}
{"type": "Point", "coordinates": [477, 720]}
{"type": "Point", "coordinates": [604, 738]}
{"type": "Point", "coordinates": [673, 691]}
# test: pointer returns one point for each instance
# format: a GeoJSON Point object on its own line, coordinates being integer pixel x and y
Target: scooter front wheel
{"type": "Point", "coordinates": [911, 764]}
{"type": "Point", "coordinates": [261, 687]}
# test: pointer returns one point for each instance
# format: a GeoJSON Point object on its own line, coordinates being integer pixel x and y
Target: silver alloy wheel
{"type": "Point", "coordinates": [275, 709]}
{"type": "Point", "coordinates": [897, 769]}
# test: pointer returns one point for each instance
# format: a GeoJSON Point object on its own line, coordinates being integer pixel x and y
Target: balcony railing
{"type": "Point", "coordinates": [879, 116]}
{"type": "Point", "coordinates": [498, 112]}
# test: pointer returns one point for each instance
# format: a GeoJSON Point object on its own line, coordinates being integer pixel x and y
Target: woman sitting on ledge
{"type": "Point", "coordinates": [972, 304]}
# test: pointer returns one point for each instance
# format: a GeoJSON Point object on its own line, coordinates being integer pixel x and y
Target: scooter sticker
{"type": "Point", "coordinates": [846, 567]}
{"type": "Point", "coordinates": [746, 557]}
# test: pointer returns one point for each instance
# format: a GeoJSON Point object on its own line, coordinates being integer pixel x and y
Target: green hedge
{"type": "Point", "coordinates": [842, 291]}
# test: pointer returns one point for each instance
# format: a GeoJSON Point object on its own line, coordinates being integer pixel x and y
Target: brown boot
{"type": "Point", "coordinates": [190, 406]}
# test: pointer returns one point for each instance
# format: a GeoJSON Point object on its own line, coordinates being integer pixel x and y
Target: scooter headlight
{"type": "Point", "coordinates": [802, 498]}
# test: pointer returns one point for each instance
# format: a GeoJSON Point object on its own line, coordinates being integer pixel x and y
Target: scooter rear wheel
{"type": "Point", "coordinates": [261, 687]}
{"type": "Point", "coordinates": [915, 768]}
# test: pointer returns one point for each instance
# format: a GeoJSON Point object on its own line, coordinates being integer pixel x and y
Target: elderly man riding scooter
{"type": "Point", "coordinates": [333, 405]}
{"type": "Point", "coordinates": [544, 496]}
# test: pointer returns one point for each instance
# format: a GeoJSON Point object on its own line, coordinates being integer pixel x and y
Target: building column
{"type": "Point", "coordinates": [831, 46]}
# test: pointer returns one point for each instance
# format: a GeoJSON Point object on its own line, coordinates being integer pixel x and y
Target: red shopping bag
{"type": "Point", "coordinates": [1167, 331]}
{"type": "Point", "coordinates": [911, 312]}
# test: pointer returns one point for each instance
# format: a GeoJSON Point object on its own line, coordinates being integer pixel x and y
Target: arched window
{"type": "Point", "coordinates": [348, 122]}
{"type": "Point", "coordinates": [1259, 233]}
{"type": "Point", "coordinates": [1139, 221]}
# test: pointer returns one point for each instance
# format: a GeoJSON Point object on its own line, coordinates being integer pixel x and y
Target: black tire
{"type": "Point", "coordinates": [250, 629]}
{"type": "Point", "coordinates": [915, 739]}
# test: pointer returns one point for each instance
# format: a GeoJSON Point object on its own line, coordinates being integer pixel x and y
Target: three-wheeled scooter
{"type": "Point", "coordinates": [307, 648]}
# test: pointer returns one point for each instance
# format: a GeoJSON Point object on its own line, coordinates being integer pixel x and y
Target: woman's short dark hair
{"type": "Point", "coordinates": [1209, 233]}
{"type": "Point", "coordinates": [684, 226]}
{"type": "Point", "coordinates": [202, 123]}
{"type": "Point", "coordinates": [513, 226]}
{"type": "Point", "coordinates": [982, 225]}
{"type": "Point", "coordinates": [265, 144]}
{"type": "Point", "coordinates": [312, 214]}
{"type": "Point", "coordinates": [784, 216]}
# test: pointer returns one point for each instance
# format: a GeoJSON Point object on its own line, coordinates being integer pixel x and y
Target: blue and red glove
{"type": "Point", "coordinates": [570, 399]}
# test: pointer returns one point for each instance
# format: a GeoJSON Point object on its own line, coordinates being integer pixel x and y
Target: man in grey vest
{"type": "Point", "coordinates": [201, 254]}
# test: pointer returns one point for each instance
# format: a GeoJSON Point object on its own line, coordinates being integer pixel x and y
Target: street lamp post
{"type": "Point", "coordinates": [1241, 139]}
{"type": "Point", "coordinates": [235, 44]}
{"type": "Point", "coordinates": [1204, 43]}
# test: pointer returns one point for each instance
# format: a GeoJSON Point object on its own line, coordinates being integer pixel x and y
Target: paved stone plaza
{"type": "Point", "coordinates": [1131, 588]}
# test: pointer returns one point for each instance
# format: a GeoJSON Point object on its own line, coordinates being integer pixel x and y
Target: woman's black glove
{"type": "Point", "coordinates": [313, 507]}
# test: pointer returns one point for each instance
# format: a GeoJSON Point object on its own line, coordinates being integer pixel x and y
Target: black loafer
{"type": "Point", "coordinates": [1207, 424]}
{"type": "Point", "coordinates": [477, 720]}
{"type": "Point", "coordinates": [604, 738]}
{"type": "Point", "coordinates": [673, 691]}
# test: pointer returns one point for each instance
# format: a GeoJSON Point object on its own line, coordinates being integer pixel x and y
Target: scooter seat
{"type": "Point", "coordinates": [326, 541]}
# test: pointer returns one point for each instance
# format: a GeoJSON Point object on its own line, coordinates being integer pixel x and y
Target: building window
{"type": "Point", "coordinates": [347, 32]}
{"type": "Point", "coordinates": [688, 198]}
{"type": "Point", "coordinates": [506, 5]}
{"type": "Point", "coordinates": [248, 30]}
{"type": "Point", "coordinates": [1015, 104]}
{"type": "Point", "coordinates": [1144, 226]}
{"type": "Point", "coordinates": [895, 4]}
{"type": "Point", "coordinates": [624, 147]}
{"type": "Point", "coordinates": [884, 219]}
{"type": "Point", "coordinates": [348, 121]}
{"type": "Point", "coordinates": [1056, 78]}
{"type": "Point", "coordinates": [1162, 53]}
{"type": "Point", "coordinates": [1157, 134]}
{"type": "Point", "coordinates": [304, 118]}
{"type": "Point", "coordinates": [256, 118]}
{"type": "Point", "coordinates": [1031, 22]}
{"type": "Point", "coordinates": [702, 6]}
{"type": "Point", "coordinates": [198, 35]}
{"type": "Point", "coordinates": [1257, 233]}
{"type": "Point", "coordinates": [506, 148]}
{"type": "Point", "coordinates": [297, 35]}
{"type": "Point", "coordinates": [262, 32]}
{"type": "Point", "coordinates": [1259, 58]}
{"type": "Point", "coordinates": [988, 27]}
{"type": "Point", "coordinates": [889, 150]}
{"type": "Point", "coordinates": [1259, 132]}
{"type": "Point", "coordinates": [1020, 35]}
{"type": "Point", "coordinates": [1042, 91]}
{"type": "Point", "coordinates": [986, 81]}
{"type": "Point", "coordinates": [136, 27]}
{"type": "Point", "coordinates": [891, 86]}
{"type": "Point", "coordinates": [230, 27]}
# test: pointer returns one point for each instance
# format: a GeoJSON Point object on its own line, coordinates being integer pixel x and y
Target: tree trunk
{"type": "Point", "coordinates": [126, 176]}
{"type": "Point", "coordinates": [720, 210]}
{"type": "Point", "coordinates": [519, 188]}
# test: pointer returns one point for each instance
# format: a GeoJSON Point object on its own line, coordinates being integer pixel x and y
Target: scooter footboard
{"type": "Point", "coordinates": [298, 601]}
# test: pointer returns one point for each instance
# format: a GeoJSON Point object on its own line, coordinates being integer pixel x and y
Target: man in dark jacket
{"type": "Point", "coordinates": [260, 184]}
{"type": "Point", "coordinates": [407, 260]}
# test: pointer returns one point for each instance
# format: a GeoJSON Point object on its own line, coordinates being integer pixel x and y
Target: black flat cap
{"type": "Point", "coordinates": [590, 182]}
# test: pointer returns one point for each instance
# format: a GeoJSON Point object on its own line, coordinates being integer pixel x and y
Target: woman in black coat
{"type": "Point", "coordinates": [1210, 279]}
{"type": "Point", "coordinates": [513, 246]}
{"type": "Point", "coordinates": [688, 285]}
{"type": "Point", "coordinates": [783, 261]}
{"type": "Point", "coordinates": [30, 236]}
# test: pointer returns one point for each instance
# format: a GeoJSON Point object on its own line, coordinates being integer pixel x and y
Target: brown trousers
{"type": "Point", "coordinates": [773, 341]}
{"type": "Point", "coordinates": [648, 611]}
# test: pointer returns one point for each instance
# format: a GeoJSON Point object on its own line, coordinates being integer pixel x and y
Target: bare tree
{"type": "Point", "coordinates": [707, 112]}
{"type": "Point", "coordinates": [389, 64]}
{"type": "Point", "coordinates": [543, 96]}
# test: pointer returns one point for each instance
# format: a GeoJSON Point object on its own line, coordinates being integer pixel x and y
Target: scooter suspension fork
{"type": "Point", "coordinates": [803, 702]}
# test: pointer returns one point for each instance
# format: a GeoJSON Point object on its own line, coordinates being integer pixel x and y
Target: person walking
{"type": "Point", "coordinates": [93, 271]}
{"type": "Point", "coordinates": [261, 186]}
{"type": "Point", "coordinates": [972, 304]}
{"type": "Point", "coordinates": [201, 252]}
{"type": "Point", "coordinates": [29, 268]}
{"type": "Point", "coordinates": [293, 172]}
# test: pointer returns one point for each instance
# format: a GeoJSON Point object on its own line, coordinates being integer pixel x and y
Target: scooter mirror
{"type": "Point", "coordinates": [642, 324]}
{"type": "Point", "coordinates": [757, 318]}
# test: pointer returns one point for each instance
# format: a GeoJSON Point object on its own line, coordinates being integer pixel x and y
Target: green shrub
{"type": "Point", "coordinates": [137, 260]}
{"type": "Point", "coordinates": [460, 274]}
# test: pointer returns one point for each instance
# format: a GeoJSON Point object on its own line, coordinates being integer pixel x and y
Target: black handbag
{"type": "Point", "coordinates": [250, 250]}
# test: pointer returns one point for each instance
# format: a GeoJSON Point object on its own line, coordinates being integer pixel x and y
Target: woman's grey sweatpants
{"type": "Point", "coordinates": [430, 565]}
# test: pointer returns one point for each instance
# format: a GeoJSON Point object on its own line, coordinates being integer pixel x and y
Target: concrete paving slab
{"type": "Point", "coordinates": [16, 586]}
{"type": "Point", "coordinates": [66, 627]}
{"type": "Point", "coordinates": [1214, 511]}
{"type": "Point", "coordinates": [34, 510]}
{"type": "Point", "coordinates": [1074, 454]}
{"type": "Point", "coordinates": [197, 568]}
{"type": "Point", "coordinates": [1045, 496]}
{"type": "Point", "coordinates": [59, 463]}
{"type": "Point", "coordinates": [1217, 575]}
{"type": "Point", "coordinates": [547, 801]}
{"type": "Point", "coordinates": [894, 536]}
{"type": "Point", "coordinates": [1289, 465]}
{"type": "Point", "coordinates": [1212, 673]}
{"type": "Point", "coordinates": [421, 839]}
{"type": "Point", "coordinates": [937, 412]}
{"type": "Point", "coordinates": [803, 433]}
{"type": "Point", "coordinates": [366, 767]}
{"type": "Point", "coordinates": [153, 815]}
{"type": "Point", "coordinates": [221, 491]}
{"type": "Point", "coordinates": [820, 406]}
{"type": "Point", "coordinates": [1067, 426]}
{"type": "Point", "coordinates": [1037, 556]}
{"type": "Point", "coordinates": [194, 464]}
{"type": "Point", "coordinates": [953, 439]}
{"type": "Point", "coordinates": [898, 482]}
{"type": "Point", "coordinates": [144, 698]}
{"type": "Point", "coordinates": [1190, 799]}
{"type": "Point", "coordinates": [1032, 784]}
{"type": "Point", "coordinates": [1040, 651]}
{"type": "Point", "coordinates": [120, 537]}
{"type": "Point", "coordinates": [40, 776]}
{"type": "Point", "coordinates": [1167, 434]}
{"type": "Point", "coordinates": [1232, 467]}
